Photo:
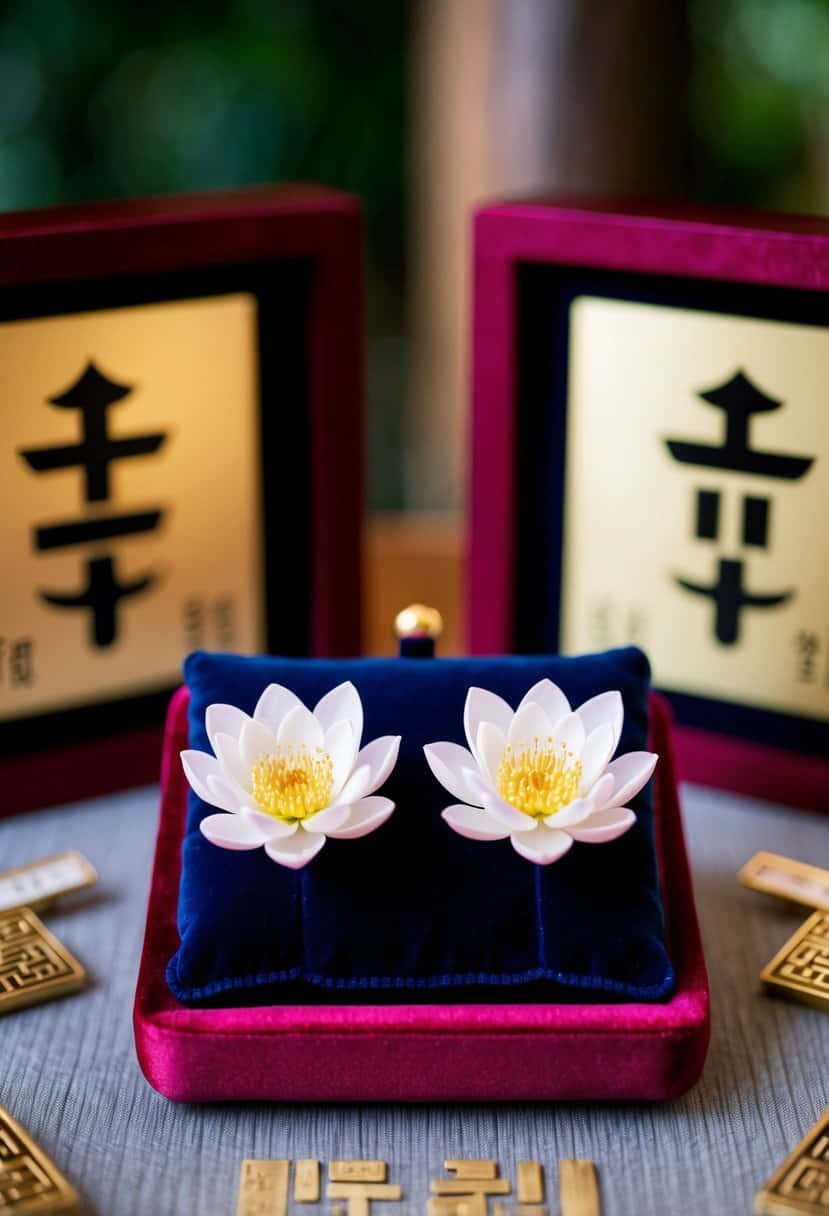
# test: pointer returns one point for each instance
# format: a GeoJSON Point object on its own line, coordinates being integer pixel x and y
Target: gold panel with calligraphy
{"type": "Point", "coordinates": [130, 491]}
{"type": "Point", "coordinates": [696, 500]}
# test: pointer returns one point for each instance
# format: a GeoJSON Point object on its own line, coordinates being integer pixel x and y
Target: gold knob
{"type": "Point", "coordinates": [418, 621]}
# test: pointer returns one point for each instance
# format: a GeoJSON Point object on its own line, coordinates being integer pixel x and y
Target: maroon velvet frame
{"type": "Point", "coordinates": [739, 247]}
{"type": "Point", "coordinates": [421, 1053]}
{"type": "Point", "coordinates": [179, 233]}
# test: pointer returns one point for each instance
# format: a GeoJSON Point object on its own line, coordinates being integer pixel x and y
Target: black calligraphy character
{"type": "Point", "coordinates": [21, 662]}
{"type": "Point", "coordinates": [223, 609]}
{"type": "Point", "coordinates": [92, 395]}
{"type": "Point", "coordinates": [102, 594]}
{"type": "Point", "coordinates": [739, 400]}
{"type": "Point", "coordinates": [194, 623]}
{"type": "Point", "coordinates": [730, 597]}
{"type": "Point", "coordinates": [807, 645]}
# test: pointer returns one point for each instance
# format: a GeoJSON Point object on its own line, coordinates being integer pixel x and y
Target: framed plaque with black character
{"type": "Point", "coordinates": [650, 444]}
{"type": "Point", "coordinates": [179, 463]}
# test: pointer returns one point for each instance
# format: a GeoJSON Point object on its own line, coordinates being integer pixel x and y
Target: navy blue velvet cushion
{"type": "Point", "coordinates": [413, 907]}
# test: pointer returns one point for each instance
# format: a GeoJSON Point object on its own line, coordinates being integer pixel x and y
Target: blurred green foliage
{"type": "Point", "coordinates": [111, 99]}
{"type": "Point", "coordinates": [103, 100]}
{"type": "Point", "coordinates": [759, 102]}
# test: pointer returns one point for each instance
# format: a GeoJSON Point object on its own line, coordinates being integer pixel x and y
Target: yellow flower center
{"type": "Point", "coordinates": [292, 783]}
{"type": "Point", "coordinates": [540, 778]}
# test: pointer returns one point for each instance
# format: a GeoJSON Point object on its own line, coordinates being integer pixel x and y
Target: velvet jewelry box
{"type": "Point", "coordinates": [414, 964]}
{"type": "Point", "coordinates": [649, 447]}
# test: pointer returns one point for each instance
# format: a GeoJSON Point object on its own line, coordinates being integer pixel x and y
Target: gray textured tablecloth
{"type": "Point", "coordinates": [68, 1070]}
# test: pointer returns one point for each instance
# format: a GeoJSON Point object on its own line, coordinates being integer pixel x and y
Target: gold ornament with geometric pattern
{"type": "Point", "coordinates": [30, 1185]}
{"type": "Point", "coordinates": [800, 970]}
{"type": "Point", "coordinates": [34, 965]}
{"type": "Point", "coordinates": [801, 1185]}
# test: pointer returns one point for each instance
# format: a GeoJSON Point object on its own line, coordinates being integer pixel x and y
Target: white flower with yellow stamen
{"type": "Point", "coordinates": [542, 775]}
{"type": "Point", "coordinates": [288, 778]}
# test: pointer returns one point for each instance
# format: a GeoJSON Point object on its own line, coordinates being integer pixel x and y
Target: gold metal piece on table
{"type": "Point", "coordinates": [802, 1182]}
{"type": "Point", "coordinates": [357, 1171]}
{"type": "Point", "coordinates": [360, 1194]}
{"type": "Point", "coordinates": [787, 878]}
{"type": "Point", "coordinates": [480, 1170]}
{"type": "Point", "coordinates": [34, 966]}
{"type": "Point", "coordinates": [462, 1186]}
{"type": "Point", "coordinates": [418, 621]}
{"type": "Point", "coordinates": [29, 1182]}
{"type": "Point", "coordinates": [801, 970]}
{"type": "Point", "coordinates": [307, 1180]}
{"type": "Point", "coordinates": [457, 1205]}
{"type": "Point", "coordinates": [263, 1188]}
{"type": "Point", "coordinates": [530, 1182]}
{"type": "Point", "coordinates": [38, 884]}
{"type": "Point", "coordinates": [578, 1189]}
{"type": "Point", "coordinates": [389, 1191]}
{"type": "Point", "coordinates": [535, 1209]}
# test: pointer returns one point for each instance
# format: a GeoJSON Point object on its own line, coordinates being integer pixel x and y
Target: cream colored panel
{"type": "Point", "coordinates": [631, 515]}
{"type": "Point", "coordinates": [190, 372]}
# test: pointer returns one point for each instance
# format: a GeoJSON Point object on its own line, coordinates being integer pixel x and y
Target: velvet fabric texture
{"type": "Point", "coordinates": [414, 908]}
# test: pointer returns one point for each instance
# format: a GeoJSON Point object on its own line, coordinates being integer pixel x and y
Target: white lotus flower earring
{"type": "Point", "coordinates": [542, 775]}
{"type": "Point", "coordinates": [287, 778]}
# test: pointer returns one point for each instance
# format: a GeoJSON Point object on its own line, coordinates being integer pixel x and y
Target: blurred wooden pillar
{"type": "Point", "coordinates": [411, 558]}
{"type": "Point", "coordinates": [512, 96]}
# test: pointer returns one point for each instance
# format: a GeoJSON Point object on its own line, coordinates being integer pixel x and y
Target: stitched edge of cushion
{"type": "Point", "coordinates": [647, 992]}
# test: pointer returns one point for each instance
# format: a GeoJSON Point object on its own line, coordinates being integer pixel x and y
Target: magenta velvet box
{"type": "Point", "coordinates": [421, 1052]}
{"type": "Point", "coordinates": [648, 465]}
{"type": "Point", "coordinates": [225, 330]}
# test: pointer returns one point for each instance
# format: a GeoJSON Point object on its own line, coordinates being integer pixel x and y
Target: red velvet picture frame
{"type": "Point", "coordinates": [417, 1052]}
{"type": "Point", "coordinates": [108, 246]}
{"type": "Point", "coordinates": [744, 250]}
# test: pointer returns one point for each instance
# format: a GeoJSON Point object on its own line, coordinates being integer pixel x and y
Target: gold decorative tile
{"type": "Point", "coordinates": [307, 1180]}
{"type": "Point", "coordinates": [40, 883]}
{"type": "Point", "coordinates": [389, 1191]}
{"type": "Point", "coordinates": [787, 878]}
{"type": "Point", "coordinates": [472, 1169]}
{"type": "Point", "coordinates": [461, 1186]}
{"type": "Point", "coordinates": [357, 1171]}
{"type": "Point", "coordinates": [530, 1182]}
{"type": "Point", "coordinates": [263, 1188]}
{"type": "Point", "coordinates": [360, 1194]}
{"type": "Point", "coordinates": [801, 969]}
{"type": "Point", "coordinates": [801, 1185]}
{"type": "Point", "coordinates": [30, 1185]}
{"type": "Point", "coordinates": [579, 1189]}
{"type": "Point", "coordinates": [34, 966]}
{"type": "Point", "coordinates": [457, 1205]}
